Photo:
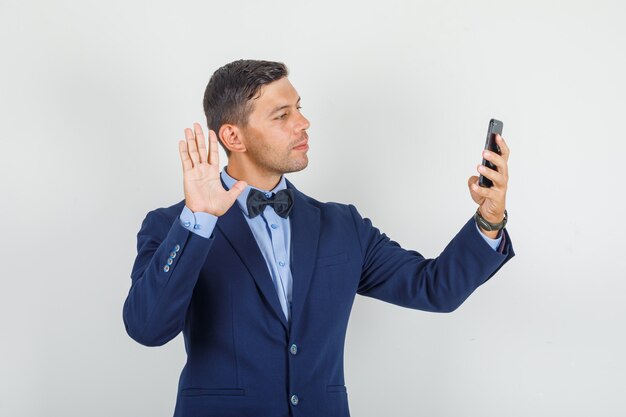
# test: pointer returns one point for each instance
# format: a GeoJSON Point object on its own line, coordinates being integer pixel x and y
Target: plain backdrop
{"type": "Point", "coordinates": [95, 95]}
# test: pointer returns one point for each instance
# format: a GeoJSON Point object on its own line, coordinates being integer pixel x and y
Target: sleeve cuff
{"type": "Point", "coordinates": [200, 223]}
{"type": "Point", "coordinates": [494, 243]}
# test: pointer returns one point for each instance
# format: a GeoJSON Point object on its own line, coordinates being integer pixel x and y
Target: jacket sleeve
{"type": "Point", "coordinates": [404, 277]}
{"type": "Point", "coordinates": [165, 272]}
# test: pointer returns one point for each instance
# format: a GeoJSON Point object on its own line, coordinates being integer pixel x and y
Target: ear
{"type": "Point", "coordinates": [231, 136]}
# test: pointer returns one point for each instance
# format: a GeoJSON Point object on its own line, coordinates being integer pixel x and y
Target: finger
{"type": "Point", "coordinates": [498, 161]}
{"type": "Point", "coordinates": [213, 151]}
{"type": "Point", "coordinates": [192, 147]}
{"type": "Point", "coordinates": [498, 179]}
{"type": "Point", "coordinates": [489, 193]}
{"type": "Point", "coordinates": [504, 148]}
{"type": "Point", "coordinates": [184, 156]}
{"type": "Point", "coordinates": [200, 142]}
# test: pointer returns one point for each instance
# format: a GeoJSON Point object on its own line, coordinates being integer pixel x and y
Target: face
{"type": "Point", "coordinates": [276, 130]}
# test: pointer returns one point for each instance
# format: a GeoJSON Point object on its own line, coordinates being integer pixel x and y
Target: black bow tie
{"type": "Point", "coordinates": [282, 202]}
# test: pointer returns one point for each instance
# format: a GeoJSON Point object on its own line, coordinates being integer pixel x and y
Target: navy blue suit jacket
{"type": "Point", "coordinates": [243, 357]}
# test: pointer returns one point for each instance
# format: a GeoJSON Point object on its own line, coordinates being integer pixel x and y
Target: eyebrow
{"type": "Point", "coordinates": [282, 107]}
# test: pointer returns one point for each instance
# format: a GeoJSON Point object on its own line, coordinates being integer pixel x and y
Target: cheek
{"type": "Point", "coordinates": [279, 136]}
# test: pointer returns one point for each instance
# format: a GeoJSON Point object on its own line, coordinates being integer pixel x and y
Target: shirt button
{"type": "Point", "coordinates": [268, 195]}
{"type": "Point", "coordinates": [293, 349]}
{"type": "Point", "coordinates": [274, 226]}
{"type": "Point", "coordinates": [281, 263]}
{"type": "Point", "coordinates": [196, 226]}
{"type": "Point", "coordinates": [187, 224]}
{"type": "Point", "coordinates": [294, 399]}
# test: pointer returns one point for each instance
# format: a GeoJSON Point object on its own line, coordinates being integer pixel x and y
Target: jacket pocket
{"type": "Point", "coordinates": [194, 392]}
{"type": "Point", "coordinates": [336, 388]}
{"type": "Point", "coordinates": [339, 258]}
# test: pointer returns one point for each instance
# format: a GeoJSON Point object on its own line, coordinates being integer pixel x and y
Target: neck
{"type": "Point", "coordinates": [253, 175]}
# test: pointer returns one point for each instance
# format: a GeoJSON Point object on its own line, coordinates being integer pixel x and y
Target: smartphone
{"type": "Point", "coordinates": [495, 127]}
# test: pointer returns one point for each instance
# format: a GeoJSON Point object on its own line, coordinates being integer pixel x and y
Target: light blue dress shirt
{"type": "Point", "coordinates": [272, 234]}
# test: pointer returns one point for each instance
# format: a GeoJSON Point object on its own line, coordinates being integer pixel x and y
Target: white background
{"type": "Point", "coordinates": [95, 95]}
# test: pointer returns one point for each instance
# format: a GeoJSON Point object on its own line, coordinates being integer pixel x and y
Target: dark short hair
{"type": "Point", "coordinates": [231, 89]}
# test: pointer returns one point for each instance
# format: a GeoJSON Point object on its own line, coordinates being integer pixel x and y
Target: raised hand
{"type": "Point", "coordinates": [492, 201]}
{"type": "Point", "coordinates": [201, 174]}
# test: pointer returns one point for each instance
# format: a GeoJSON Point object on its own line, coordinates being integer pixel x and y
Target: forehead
{"type": "Point", "coordinates": [275, 94]}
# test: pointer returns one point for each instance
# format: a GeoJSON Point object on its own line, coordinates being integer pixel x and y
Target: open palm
{"type": "Point", "coordinates": [201, 174]}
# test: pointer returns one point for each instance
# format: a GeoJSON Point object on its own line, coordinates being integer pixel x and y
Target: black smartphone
{"type": "Point", "coordinates": [495, 127]}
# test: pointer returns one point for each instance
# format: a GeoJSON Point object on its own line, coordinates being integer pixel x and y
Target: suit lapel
{"type": "Point", "coordinates": [305, 225]}
{"type": "Point", "coordinates": [305, 229]}
{"type": "Point", "coordinates": [238, 233]}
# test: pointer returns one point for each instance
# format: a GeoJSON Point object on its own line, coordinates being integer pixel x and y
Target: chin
{"type": "Point", "coordinates": [296, 166]}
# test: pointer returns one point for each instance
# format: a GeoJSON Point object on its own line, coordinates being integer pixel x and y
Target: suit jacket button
{"type": "Point", "coordinates": [176, 248]}
{"type": "Point", "coordinates": [293, 349]}
{"type": "Point", "coordinates": [294, 399]}
{"type": "Point", "coordinates": [166, 268]}
{"type": "Point", "coordinates": [170, 261]}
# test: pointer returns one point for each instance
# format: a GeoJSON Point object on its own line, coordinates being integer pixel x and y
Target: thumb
{"type": "Point", "coordinates": [237, 189]}
{"type": "Point", "coordinates": [472, 180]}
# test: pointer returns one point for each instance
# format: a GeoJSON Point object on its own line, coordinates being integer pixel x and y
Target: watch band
{"type": "Point", "coordinates": [490, 226]}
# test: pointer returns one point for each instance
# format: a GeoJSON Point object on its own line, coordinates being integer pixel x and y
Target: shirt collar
{"type": "Point", "coordinates": [243, 197]}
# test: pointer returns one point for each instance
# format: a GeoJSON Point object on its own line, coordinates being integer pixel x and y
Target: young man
{"type": "Point", "coordinates": [261, 278]}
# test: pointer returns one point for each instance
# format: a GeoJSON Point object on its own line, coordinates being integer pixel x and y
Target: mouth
{"type": "Point", "coordinates": [303, 146]}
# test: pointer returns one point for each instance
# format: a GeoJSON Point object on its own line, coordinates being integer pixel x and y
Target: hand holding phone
{"type": "Point", "coordinates": [495, 127]}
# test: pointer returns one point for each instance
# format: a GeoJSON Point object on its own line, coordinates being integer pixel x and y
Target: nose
{"type": "Point", "coordinates": [303, 123]}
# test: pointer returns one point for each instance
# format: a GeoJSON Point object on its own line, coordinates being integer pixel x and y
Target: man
{"type": "Point", "coordinates": [261, 278]}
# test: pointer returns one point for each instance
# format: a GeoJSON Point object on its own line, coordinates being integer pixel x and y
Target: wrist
{"type": "Point", "coordinates": [490, 225]}
{"type": "Point", "coordinates": [492, 234]}
{"type": "Point", "coordinates": [493, 219]}
{"type": "Point", "coordinates": [197, 209]}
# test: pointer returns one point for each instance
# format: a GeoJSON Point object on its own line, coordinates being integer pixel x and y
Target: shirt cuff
{"type": "Point", "coordinates": [494, 243]}
{"type": "Point", "coordinates": [200, 223]}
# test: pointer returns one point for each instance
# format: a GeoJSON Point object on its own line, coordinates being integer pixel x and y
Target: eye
{"type": "Point", "coordinates": [282, 116]}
